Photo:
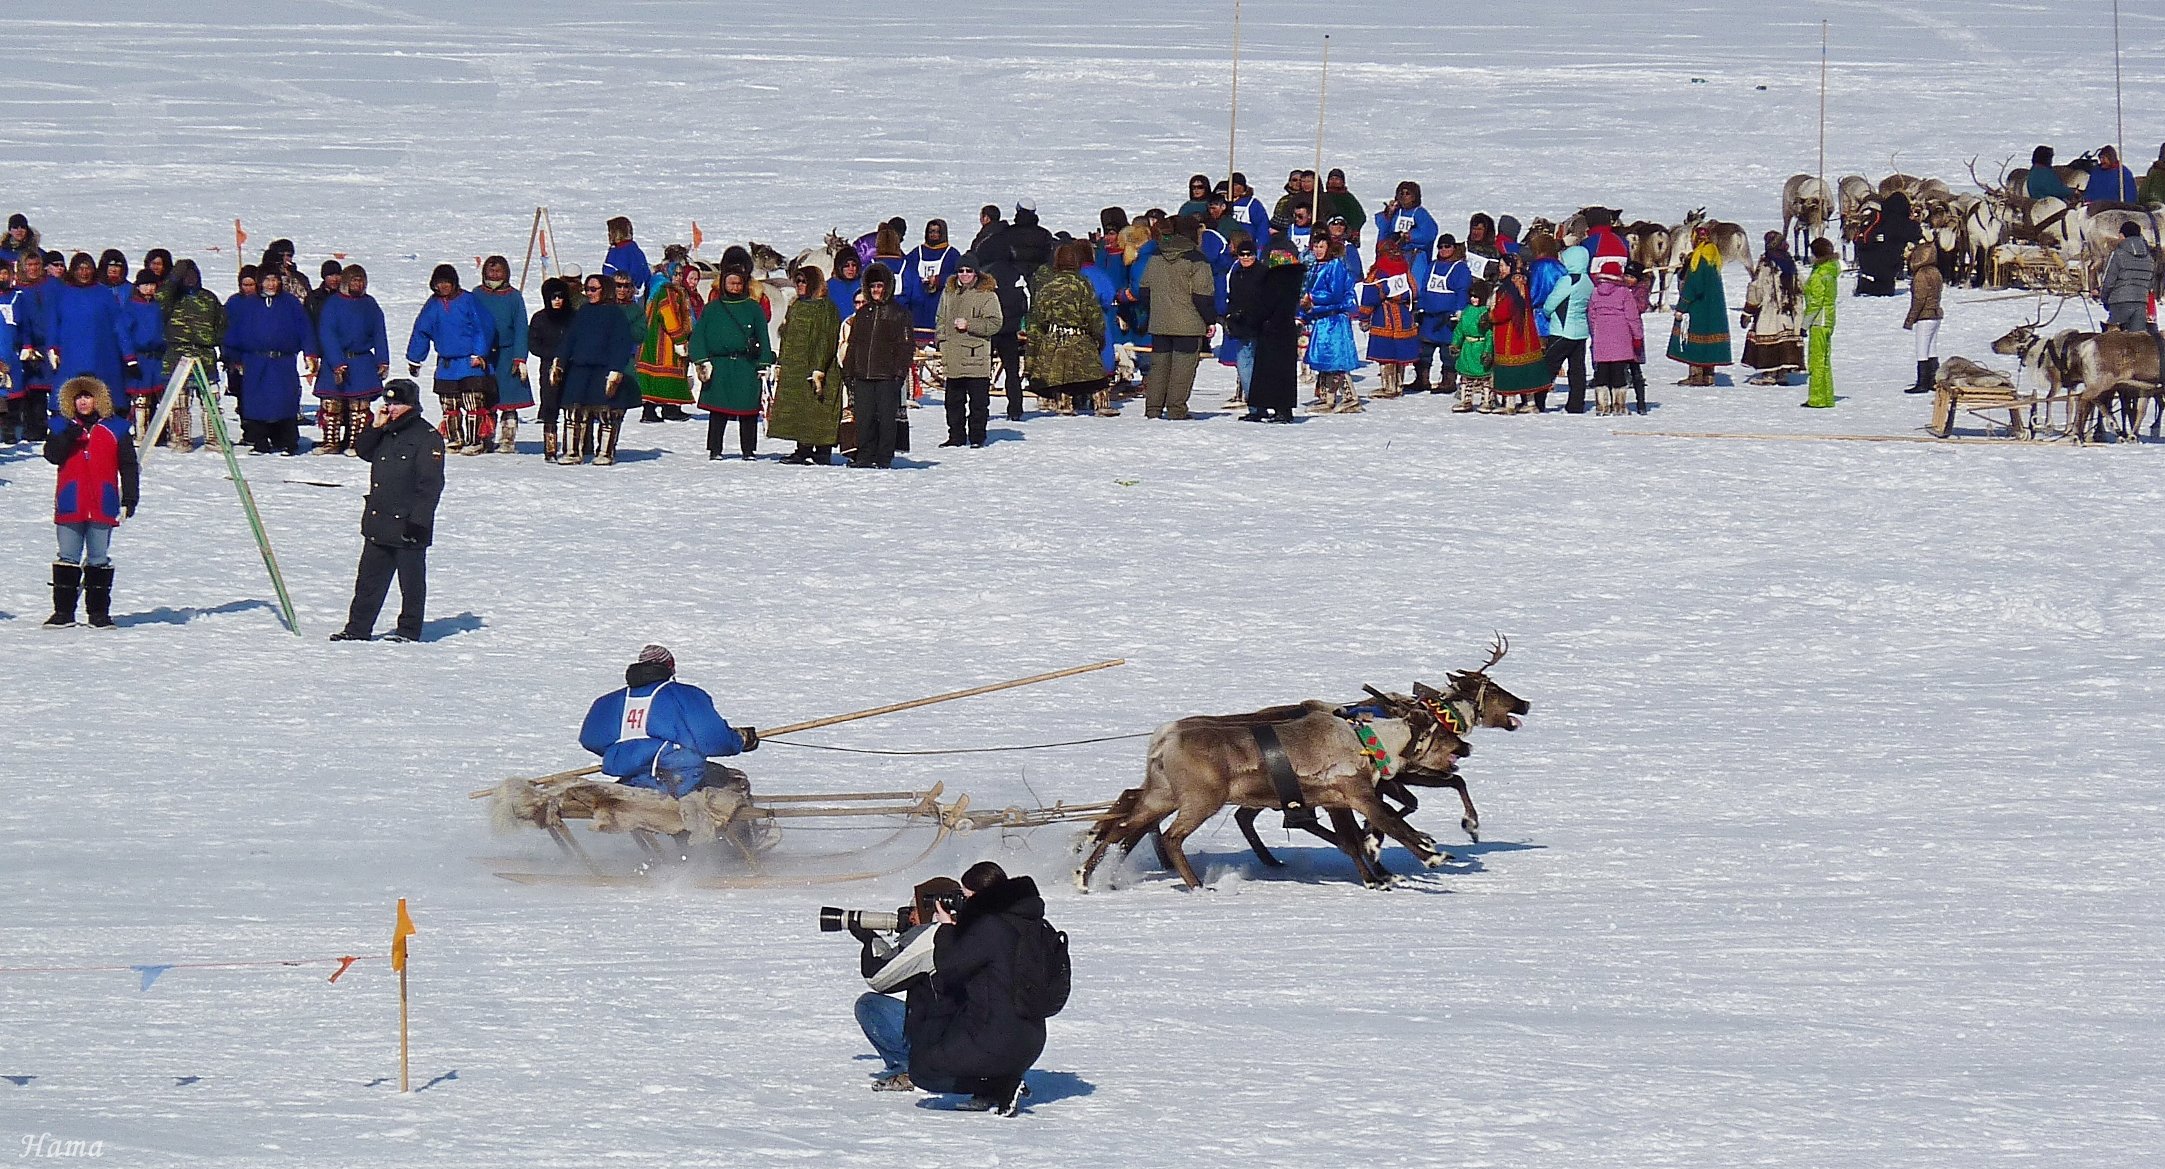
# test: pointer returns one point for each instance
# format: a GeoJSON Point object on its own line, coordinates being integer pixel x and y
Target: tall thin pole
{"type": "Point", "coordinates": [1232, 129]}
{"type": "Point", "coordinates": [1822, 102]}
{"type": "Point", "coordinates": [1315, 207]}
{"type": "Point", "coordinates": [2119, 125]}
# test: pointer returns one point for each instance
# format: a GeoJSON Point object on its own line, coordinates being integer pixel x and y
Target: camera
{"type": "Point", "coordinates": [834, 920]}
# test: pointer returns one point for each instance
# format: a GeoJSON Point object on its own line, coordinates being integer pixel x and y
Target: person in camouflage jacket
{"type": "Point", "coordinates": [195, 321]}
{"type": "Point", "coordinates": [1065, 330]}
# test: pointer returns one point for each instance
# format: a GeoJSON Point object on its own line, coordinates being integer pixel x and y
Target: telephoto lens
{"type": "Point", "coordinates": [834, 920]}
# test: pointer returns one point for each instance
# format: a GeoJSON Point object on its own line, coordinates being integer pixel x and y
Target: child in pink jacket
{"type": "Point", "coordinates": [1618, 337]}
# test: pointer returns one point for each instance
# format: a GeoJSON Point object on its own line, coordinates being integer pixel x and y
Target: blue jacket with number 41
{"type": "Point", "coordinates": [674, 736]}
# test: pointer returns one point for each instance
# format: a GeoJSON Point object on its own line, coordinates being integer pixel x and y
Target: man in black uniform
{"type": "Point", "coordinates": [405, 479]}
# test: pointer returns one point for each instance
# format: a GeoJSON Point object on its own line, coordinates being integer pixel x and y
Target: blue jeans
{"type": "Point", "coordinates": [881, 1017]}
{"type": "Point", "coordinates": [85, 543]}
{"type": "Point", "coordinates": [1244, 366]}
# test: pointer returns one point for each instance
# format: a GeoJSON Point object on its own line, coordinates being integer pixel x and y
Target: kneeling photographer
{"type": "Point", "coordinates": [900, 965]}
{"type": "Point", "coordinates": [999, 971]}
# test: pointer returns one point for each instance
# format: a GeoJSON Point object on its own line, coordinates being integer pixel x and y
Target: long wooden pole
{"type": "Point", "coordinates": [532, 234]}
{"type": "Point", "coordinates": [1232, 129]}
{"type": "Point", "coordinates": [1315, 205]}
{"type": "Point", "coordinates": [1822, 175]}
{"type": "Point", "coordinates": [404, 1050]}
{"type": "Point", "coordinates": [874, 712]}
{"type": "Point", "coordinates": [2119, 124]}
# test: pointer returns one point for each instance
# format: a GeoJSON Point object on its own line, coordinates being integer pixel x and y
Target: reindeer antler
{"type": "Point", "coordinates": [1496, 650]}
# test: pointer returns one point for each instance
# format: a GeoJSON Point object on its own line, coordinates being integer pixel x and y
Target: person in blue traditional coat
{"type": "Point", "coordinates": [20, 240]}
{"type": "Point", "coordinates": [15, 403]}
{"type": "Point", "coordinates": [264, 334]}
{"type": "Point", "coordinates": [113, 275]}
{"type": "Point", "coordinates": [590, 363]}
{"type": "Point", "coordinates": [1387, 299]}
{"type": "Point", "coordinates": [1247, 210]}
{"type": "Point", "coordinates": [86, 326]}
{"type": "Point", "coordinates": [40, 288]}
{"type": "Point", "coordinates": [842, 286]}
{"type": "Point", "coordinates": [924, 274]}
{"type": "Point", "coordinates": [506, 309]}
{"type": "Point", "coordinates": [1543, 277]}
{"type": "Point", "coordinates": [1415, 228]}
{"type": "Point", "coordinates": [356, 356]}
{"type": "Point", "coordinates": [141, 332]}
{"type": "Point", "coordinates": [660, 734]}
{"type": "Point", "coordinates": [1443, 297]}
{"type": "Point", "coordinates": [625, 255]}
{"type": "Point", "coordinates": [1327, 304]}
{"type": "Point", "coordinates": [463, 336]}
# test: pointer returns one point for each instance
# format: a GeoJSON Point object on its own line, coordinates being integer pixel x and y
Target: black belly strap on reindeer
{"type": "Point", "coordinates": [1282, 780]}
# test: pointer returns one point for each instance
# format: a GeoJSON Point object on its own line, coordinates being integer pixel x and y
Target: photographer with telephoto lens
{"type": "Point", "coordinates": [898, 963]}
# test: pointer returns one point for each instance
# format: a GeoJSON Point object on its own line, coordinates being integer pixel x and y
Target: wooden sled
{"type": "Point", "coordinates": [686, 841]}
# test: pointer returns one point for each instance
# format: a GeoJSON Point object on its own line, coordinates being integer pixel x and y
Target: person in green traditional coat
{"type": "Point", "coordinates": [808, 382]}
{"type": "Point", "coordinates": [1701, 336]}
{"type": "Point", "coordinates": [729, 345]}
{"type": "Point", "coordinates": [1822, 290]}
{"type": "Point", "coordinates": [666, 329]}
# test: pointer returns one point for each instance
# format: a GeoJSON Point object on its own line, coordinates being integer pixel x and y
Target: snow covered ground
{"type": "Point", "coordinates": [1832, 838]}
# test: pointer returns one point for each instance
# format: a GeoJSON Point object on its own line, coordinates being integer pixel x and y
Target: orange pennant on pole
{"type": "Point", "coordinates": [240, 236]}
{"type": "Point", "coordinates": [399, 933]}
{"type": "Point", "coordinates": [698, 237]}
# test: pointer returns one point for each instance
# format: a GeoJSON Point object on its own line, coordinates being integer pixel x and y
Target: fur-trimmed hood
{"type": "Point", "coordinates": [101, 393]}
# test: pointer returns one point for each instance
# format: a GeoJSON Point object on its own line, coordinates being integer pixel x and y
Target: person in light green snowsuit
{"type": "Point", "coordinates": [1821, 291]}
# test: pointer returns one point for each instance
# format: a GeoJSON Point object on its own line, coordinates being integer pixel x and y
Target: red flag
{"type": "Point", "coordinates": [240, 237]}
{"type": "Point", "coordinates": [544, 245]}
{"type": "Point", "coordinates": [698, 237]}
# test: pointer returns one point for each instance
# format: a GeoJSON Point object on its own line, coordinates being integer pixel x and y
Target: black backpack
{"type": "Point", "coordinates": [1042, 974]}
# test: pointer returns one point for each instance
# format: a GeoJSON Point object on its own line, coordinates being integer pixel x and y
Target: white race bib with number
{"type": "Point", "coordinates": [1403, 225]}
{"type": "Point", "coordinates": [1439, 283]}
{"type": "Point", "coordinates": [1398, 285]}
{"type": "Point", "coordinates": [636, 710]}
{"type": "Point", "coordinates": [928, 269]}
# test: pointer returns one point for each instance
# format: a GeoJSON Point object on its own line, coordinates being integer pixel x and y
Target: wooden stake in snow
{"type": "Point", "coordinates": [532, 234]}
{"type": "Point", "coordinates": [401, 929]}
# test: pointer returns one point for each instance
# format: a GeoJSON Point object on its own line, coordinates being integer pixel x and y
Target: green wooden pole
{"type": "Point", "coordinates": [215, 428]}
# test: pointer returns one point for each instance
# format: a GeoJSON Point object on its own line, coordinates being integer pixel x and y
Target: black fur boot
{"type": "Point", "coordinates": [1927, 372]}
{"type": "Point", "coordinates": [67, 585]}
{"type": "Point", "coordinates": [98, 595]}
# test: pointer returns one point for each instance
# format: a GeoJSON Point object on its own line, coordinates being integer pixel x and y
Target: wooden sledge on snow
{"type": "Point", "coordinates": [714, 837]}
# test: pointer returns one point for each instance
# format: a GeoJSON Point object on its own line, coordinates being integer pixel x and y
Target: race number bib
{"type": "Point", "coordinates": [1480, 266]}
{"type": "Point", "coordinates": [1439, 283]}
{"type": "Point", "coordinates": [928, 269]}
{"type": "Point", "coordinates": [1403, 225]}
{"type": "Point", "coordinates": [1398, 285]}
{"type": "Point", "coordinates": [636, 711]}
{"type": "Point", "coordinates": [1300, 237]}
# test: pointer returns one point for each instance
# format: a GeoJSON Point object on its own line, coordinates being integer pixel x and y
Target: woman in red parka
{"type": "Point", "coordinates": [95, 490]}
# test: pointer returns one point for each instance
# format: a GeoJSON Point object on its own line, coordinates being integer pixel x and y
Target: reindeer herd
{"type": "Point", "coordinates": [1356, 763]}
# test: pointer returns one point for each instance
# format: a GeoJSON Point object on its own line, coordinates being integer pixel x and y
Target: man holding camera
{"type": "Point", "coordinates": [901, 966]}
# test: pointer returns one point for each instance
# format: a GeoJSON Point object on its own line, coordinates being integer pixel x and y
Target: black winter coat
{"type": "Point", "coordinates": [970, 1029]}
{"type": "Point", "coordinates": [405, 479]}
{"type": "Point", "coordinates": [1275, 322]}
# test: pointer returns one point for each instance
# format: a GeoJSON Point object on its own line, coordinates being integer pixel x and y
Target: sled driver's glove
{"type": "Point", "coordinates": [751, 738]}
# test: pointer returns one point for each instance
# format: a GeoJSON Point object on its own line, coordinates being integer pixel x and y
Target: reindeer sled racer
{"type": "Point", "coordinates": [697, 823]}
